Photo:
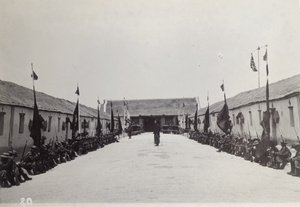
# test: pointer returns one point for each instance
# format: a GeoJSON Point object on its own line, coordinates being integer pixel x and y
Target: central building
{"type": "Point", "coordinates": [143, 112]}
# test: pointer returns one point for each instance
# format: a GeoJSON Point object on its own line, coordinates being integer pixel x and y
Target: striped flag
{"type": "Point", "coordinates": [252, 64]}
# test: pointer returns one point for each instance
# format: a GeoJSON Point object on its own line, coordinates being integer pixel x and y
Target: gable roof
{"type": "Point", "coordinates": [16, 95]}
{"type": "Point", "coordinates": [281, 89]}
{"type": "Point", "coordinates": [154, 107]}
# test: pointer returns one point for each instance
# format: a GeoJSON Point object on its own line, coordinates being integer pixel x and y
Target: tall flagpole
{"type": "Point", "coordinates": [258, 49]}
{"type": "Point", "coordinates": [79, 123]}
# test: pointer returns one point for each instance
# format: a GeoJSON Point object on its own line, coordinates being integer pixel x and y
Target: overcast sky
{"type": "Point", "coordinates": [147, 49]}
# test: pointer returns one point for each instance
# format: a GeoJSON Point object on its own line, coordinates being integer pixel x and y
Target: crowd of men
{"type": "Point", "coordinates": [254, 150]}
{"type": "Point", "coordinates": [47, 156]}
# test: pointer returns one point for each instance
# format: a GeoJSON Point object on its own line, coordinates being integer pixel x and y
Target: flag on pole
{"type": "Point", "coordinates": [35, 131]}
{"type": "Point", "coordinates": [77, 91]}
{"type": "Point", "coordinates": [120, 129]}
{"type": "Point", "coordinates": [252, 64]}
{"type": "Point", "coordinates": [222, 87]}
{"type": "Point", "coordinates": [34, 76]}
{"type": "Point", "coordinates": [206, 120]}
{"type": "Point", "coordinates": [99, 127]}
{"type": "Point", "coordinates": [265, 58]}
{"type": "Point", "coordinates": [75, 122]}
{"type": "Point", "coordinates": [127, 116]}
{"type": "Point", "coordinates": [104, 105]}
{"type": "Point", "coordinates": [223, 119]}
{"type": "Point", "coordinates": [196, 118]}
{"type": "Point", "coordinates": [112, 120]}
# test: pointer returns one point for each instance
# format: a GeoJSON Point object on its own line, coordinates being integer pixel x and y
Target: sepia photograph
{"type": "Point", "coordinates": [149, 103]}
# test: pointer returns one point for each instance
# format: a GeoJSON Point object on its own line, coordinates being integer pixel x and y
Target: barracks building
{"type": "Point", "coordinates": [245, 110]}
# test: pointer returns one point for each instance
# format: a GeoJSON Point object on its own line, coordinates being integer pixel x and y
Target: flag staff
{"type": "Point", "coordinates": [32, 76]}
{"type": "Point", "coordinates": [258, 49]}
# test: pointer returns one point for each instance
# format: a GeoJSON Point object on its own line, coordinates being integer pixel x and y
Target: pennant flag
{"type": "Point", "coordinates": [35, 131]}
{"type": "Point", "coordinates": [112, 120]}
{"type": "Point", "coordinates": [127, 116]}
{"type": "Point", "coordinates": [77, 91]}
{"type": "Point", "coordinates": [206, 120]}
{"type": "Point", "coordinates": [75, 122]}
{"type": "Point", "coordinates": [222, 87]}
{"type": "Point", "coordinates": [223, 119]}
{"type": "Point", "coordinates": [265, 56]}
{"type": "Point", "coordinates": [196, 119]}
{"type": "Point", "coordinates": [252, 64]}
{"type": "Point", "coordinates": [34, 76]}
{"type": "Point", "coordinates": [99, 127]}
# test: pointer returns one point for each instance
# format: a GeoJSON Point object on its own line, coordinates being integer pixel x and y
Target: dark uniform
{"type": "Point", "coordinates": [295, 162]}
{"type": "Point", "coordinates": [282, 157]}
{"type": "Point", "coordinates": [21, 175]}
{"type": "Point", "coordinates": [32, 161]}
{"type": "Point", "coordinates": [11, 169]}
{"type": "Point", "coordinates": [4, 170]}
{"type": "Point", "coordinates": [156, 133]}
{"type": "Point", "coordinates": [129, 130]}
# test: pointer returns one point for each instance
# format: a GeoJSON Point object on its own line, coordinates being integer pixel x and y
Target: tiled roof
{"type": "Point", "coordinates": [16, 95]}
{"type": "Point", "coordinates": [155, 107]}
{"type": "Point", "coordinates": [278, 90]}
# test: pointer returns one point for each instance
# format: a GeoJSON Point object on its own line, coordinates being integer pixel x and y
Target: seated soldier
{"type": "Point", "coordinates": [225, 143]}
{"type": "Point", "coordinates": [3, 173]}
{"type": "Point", "coordinates": [282, 156]}
{"type": "Point", "coordinates": [21, 171]}
{"type": "Point", "coordinates": [31, 161]}
{"type": "Point", "coordinates": [295, 161]}
{"type": "Point", "coordinates": [8, 166]}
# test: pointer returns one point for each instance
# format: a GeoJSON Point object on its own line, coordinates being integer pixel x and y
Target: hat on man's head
{"type": "Point", "coordinates": [296, 147]}
{"type": "Point", "coordinates": [13, 152]}
{"type": "Point", "coordinates": [5, 155]}
{"type": "Point", "coordinates": [34, 147]}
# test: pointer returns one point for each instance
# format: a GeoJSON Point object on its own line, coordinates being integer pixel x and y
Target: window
{"type": "Point", "coordinates": [21, 123]}
{"type": "Point", "coordinates": [2, 122]}
{"type": "Point", "coordinates": [233, 118]}
{"type": "Point", "coordinates": [250, 115]}
{"type": "Point", "coordinates": [292, 121]}
{"type": "Point", "coordinates": [58, 124]}
{"type": "Point", "coordinates": [259, 115]}
{"type": "Point", "coordinates": [49, 123]}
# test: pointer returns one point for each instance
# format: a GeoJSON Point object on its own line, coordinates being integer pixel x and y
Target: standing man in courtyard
{"type": "Point", "coordinates": [156, 132]}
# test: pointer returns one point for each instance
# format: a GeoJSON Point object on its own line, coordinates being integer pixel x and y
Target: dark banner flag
{"type": "Point", "coordinates": [77, 91]}
{"type": "Point", "coordinates": [99, 128]}
{"type": "Point", "coordinates": [223, 119]}
{"type": "Point", "coordinates": [265, 142]}
{"type": "Point", "coordinates": [35, 131]}
{"type": "Point", "coordinates": [120, 125]}
{"type": "Point", "coordinates": [196, 118]}
{"type": "Point", "coordinates": [75, 122]}
{"type": "Point", "coordinates": [206, 120]}
{"type": "Point", "coordinates": [112, 121]}
{"type": "Point", "coordinates": [37, 125]}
